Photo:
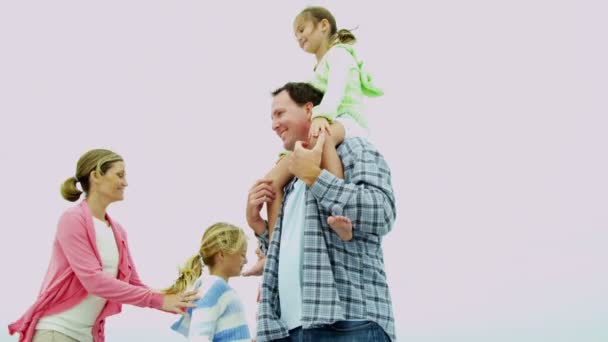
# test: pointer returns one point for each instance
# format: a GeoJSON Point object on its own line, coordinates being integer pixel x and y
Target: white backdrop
{"type": "Point", "coordinates": [494, 125]}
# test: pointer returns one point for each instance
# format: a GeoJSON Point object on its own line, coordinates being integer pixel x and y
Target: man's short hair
{"type": "Point", "coordinates": [301, 93]}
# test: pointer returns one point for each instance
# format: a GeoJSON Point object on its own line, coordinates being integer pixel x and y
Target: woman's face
{"type": "Point", "coordinates": [111, 185]}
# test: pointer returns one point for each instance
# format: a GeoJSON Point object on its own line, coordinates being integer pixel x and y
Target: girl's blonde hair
{"type": "Point", "coordinates": [99, 160]}
{"type": "Point", "coordinates": [218, 237]}
{"type": "Point", "coordinates": [318, 13]}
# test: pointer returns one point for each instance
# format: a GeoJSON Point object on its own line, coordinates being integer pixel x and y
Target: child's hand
{"type": "Point", "coordinates": [259, 253]}
{"type": "Point", "coordinates": [319, 124]}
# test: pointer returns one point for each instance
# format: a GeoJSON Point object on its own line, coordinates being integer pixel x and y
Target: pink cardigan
{"type": "Point", "coordinates": [76, 270]}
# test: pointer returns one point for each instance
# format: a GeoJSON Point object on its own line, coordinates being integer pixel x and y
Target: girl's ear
{"type": "Point", "coordinates": [220, 256]}
{"type": "Point", "coordinates": [325, 26]}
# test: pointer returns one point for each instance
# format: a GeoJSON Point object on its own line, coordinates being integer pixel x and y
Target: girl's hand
{"type": "Point", "coordinates": [319, 124]}
{"type": "Point", "coordinates": [259, 253]}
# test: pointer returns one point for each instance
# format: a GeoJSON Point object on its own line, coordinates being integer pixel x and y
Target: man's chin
{"type": "Point", "coordinates": [288, 146]}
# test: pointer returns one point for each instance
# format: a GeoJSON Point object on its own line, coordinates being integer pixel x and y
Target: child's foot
{"type": "Point", "coordinates": [257, 269]}
{"type": "Point", "coordinates": [342, 226]}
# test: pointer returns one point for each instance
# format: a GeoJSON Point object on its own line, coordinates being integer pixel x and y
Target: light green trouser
{"type": "Point", "coordinates": [51, 336]}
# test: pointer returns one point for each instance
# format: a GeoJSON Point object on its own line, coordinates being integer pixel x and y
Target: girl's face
{"type": "Point", "coordinates": [233, 263]}
{"type": "Point", "coordinates": [309, 35]}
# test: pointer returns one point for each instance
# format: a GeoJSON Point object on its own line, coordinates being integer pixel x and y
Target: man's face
{"type": "Point", "coordinates": [290, 121]}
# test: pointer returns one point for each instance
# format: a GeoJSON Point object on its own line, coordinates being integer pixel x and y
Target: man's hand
{"type": "Point", "coordinates": [306, 163]}
{"type": "Point", "coordinates": [260, 193]}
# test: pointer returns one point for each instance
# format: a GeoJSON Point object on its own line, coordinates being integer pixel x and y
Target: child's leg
{"type": "Point", "coordinates": [280, 176]}
{"type": "Point", "coordinates": [331, 162]}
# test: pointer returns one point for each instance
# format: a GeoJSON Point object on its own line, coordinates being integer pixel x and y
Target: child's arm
{"type": "Point", "coordinates": [341, 64]}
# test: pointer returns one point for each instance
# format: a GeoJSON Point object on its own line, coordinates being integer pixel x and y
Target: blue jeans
{"type": "Point", "coordinates": [342, 331]}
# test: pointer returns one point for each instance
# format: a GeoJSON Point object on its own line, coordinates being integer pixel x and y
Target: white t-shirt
{"type": "Point", "coordinates": [290, 256]}
{"type": "Point", "coordinates": [77, 322]}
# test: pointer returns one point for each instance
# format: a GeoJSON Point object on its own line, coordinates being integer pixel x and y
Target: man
{"type": "Point", "coordinates": [315, 285]}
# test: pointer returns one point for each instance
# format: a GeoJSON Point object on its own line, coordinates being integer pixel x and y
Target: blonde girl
{"type": "Point", "coordinates": [218, 315]}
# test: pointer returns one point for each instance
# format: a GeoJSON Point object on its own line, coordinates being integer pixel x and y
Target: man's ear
{"type": "Point", "coordinates": [308, 107]}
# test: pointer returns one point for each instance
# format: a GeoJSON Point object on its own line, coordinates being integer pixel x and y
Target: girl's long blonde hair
{"type": "Point", "coordinates": [218, 237]}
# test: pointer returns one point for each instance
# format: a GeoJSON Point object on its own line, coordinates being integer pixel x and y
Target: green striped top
{"type": "Point", "coordinates": [344, 82]}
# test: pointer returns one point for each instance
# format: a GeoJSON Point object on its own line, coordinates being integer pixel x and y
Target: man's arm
{"type": "Point", "coordinates": [367, 196]}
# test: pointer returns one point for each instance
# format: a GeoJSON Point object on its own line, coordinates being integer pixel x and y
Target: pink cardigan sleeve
{"type": "Point", "coordinates": [73, 240]}
{"type": "Point", "coordinates": [135, 280]}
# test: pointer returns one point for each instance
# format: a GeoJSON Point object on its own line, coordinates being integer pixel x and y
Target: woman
{"type": "Point", "coordinates": [91, 272]}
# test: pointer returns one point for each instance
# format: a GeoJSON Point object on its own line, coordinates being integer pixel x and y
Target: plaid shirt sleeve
{"type": "Point", "coordinates": [263, 239]}
{"type": "Point", "coordinates": [367, 197]}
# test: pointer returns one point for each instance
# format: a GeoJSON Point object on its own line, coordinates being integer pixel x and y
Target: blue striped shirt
{"type": "Point", "coordinates": [218, 315]}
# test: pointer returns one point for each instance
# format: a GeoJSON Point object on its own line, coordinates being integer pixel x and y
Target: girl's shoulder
{"type": "Point", "coordinates": [341, 53]}
{"type": "Point", "coordinates": [211, 287]}
{"type": "Point", "coordinates": [343, 48]}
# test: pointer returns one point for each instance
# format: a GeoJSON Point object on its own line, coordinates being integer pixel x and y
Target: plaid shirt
{"type": "Point", "coordinates": [341, 280]}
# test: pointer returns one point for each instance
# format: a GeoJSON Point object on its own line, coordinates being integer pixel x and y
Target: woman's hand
{"type": "Point", "coordinates": [178, 302]}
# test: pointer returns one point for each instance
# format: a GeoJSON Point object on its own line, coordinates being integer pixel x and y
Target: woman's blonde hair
{"type": "Point", "coordinates": [318, 13]}
{"type": "Point", "coordinates": [218, 237]}
{"type": "Point", "coordinates": [99, 160]}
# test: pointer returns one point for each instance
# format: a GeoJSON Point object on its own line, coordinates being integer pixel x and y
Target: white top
{"type": "Point", "coordinates": [290, 256]}
{"type": "Point", "coordinates": [352, 129]}
{"type": "Point", "coordinates": [77, 322]}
